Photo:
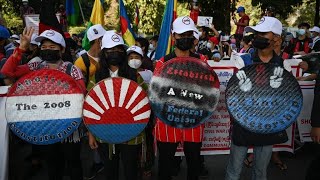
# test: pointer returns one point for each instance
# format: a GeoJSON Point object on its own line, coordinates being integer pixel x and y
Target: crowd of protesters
{"type": "Point", "coordinates": [266, 42]}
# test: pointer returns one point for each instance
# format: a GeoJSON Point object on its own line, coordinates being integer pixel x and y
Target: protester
{"type": "Point", "coordinates": [63, 18]}
{"type": "Point", "coordinates": [267, 34]}
{"type": "Point", "coordinates": [113, 63]}
{"type": "Point", "coordinates": [135, 56]}
{"type": "Point", "coordinates": [241, 24]}
{"type": "Point", "coordinates": [204, 38]}
{"type": "Point", "coordinates": [315, 35]}
{"type": "Point", "coordinates": [301, 44]}
{"type": "Point", "coordinates": [246, 44]}
{"type": "Point", "coordinates": [143, 43]}
{"type": "Point", "coordinates": [269, 11]}
{"type": "Point", "coordinates": [52, 46]}
{"type": "Point", "coordinates": [88, 63]}
{"type": "Point", "coordinates": [25, 9]}
{"type": "Point", "coordinates": [169, 137]}
{"type": "Point", "coordinates": [225, 47]}
{"type": "Point", "coordinates": [152, 47]}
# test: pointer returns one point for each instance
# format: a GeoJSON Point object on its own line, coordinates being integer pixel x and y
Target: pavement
{"type": "Point", "coordinates": [297, 165]}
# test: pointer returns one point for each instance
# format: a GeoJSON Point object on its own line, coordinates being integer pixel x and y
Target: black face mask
{"type": "Point", "coordinates": [260, 42]}
{"type": "Point", "coordinates": [184, 44]}
{"type": "Point", "coordinates": [115, 58]}
{"type": "Point", "coordinates": [50, 55]}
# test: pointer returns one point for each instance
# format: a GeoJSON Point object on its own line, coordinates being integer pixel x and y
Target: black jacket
{"type": "Point", "coordinates": [243, 137]}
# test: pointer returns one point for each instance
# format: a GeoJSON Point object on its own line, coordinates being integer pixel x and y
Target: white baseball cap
{"type": "Point", "coordinates": [111, 39]}
{"type": "Point", "coordinates": [95, 32]}
{"type": "Point", "coordinates": [135, 49]}
{"type": "Point", "coordinates": [15, 37]}
{"type": "Point", "coordinates": [33, 40]}
{"type": "Point", "coordinates": [183, 24]}
{"type": "Point", "coordinates": [266, 24]}
{"type": "Point", "coordinates": [315, 29]}
{"type": "Point", "coordinates": [53, 36]}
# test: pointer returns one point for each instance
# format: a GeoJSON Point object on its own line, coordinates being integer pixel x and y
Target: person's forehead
{"type": "Point", "coordinates": [49, 43]}
{"type": "Point", "coordinates": [134, 54]}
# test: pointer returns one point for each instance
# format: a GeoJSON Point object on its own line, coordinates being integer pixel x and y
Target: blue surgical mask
{"type": "Point", "coordinates": [301, 32]}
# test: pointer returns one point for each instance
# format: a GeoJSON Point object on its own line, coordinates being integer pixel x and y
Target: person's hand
{"type": "Point", "coordinates": [92, 141]}
{"type": "Point", "coordinates": [244, 83]}
{"type": "Point", "coordinates": [315, 134]}
{"type": "Point", "coordinates": [304, 66]}
{"type": "Point", "coordinates": [276, 79]}
{"type": "Point", "coordinates": [25, 38]}
{"type": "Point", "coordinates": [211, 26]}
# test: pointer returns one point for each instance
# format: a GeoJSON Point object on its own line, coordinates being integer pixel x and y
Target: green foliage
{"type": "Point", "coordinates": [282, 7]}
{"type": "Point", "coordinates": [302, 13]}
{"type": "Point", "coordinates": [151, 12]}
{"type": "Point", "coordinates": [77, 29]}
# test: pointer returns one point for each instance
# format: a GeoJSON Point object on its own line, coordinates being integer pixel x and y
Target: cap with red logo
{"type": "Point", "coordinates": [112, 39]}
{"type": "Point", "coordinates": [183, 24]}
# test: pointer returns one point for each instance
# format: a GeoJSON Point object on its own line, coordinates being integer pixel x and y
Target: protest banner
{"type": "Point", "coordinates": [4, 136]}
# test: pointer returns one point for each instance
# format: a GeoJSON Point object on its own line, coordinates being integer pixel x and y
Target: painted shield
{"type": "Point", "coordinates": [184, 92]}
{"type": "Point", "coordinates": [264, 98]}
{"type": "Point", "coordinates": [116, 110]}
{"type": "Point", "coordinates": [44, 107]}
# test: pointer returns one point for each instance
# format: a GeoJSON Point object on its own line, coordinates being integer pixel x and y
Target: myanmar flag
{"type": "Point", "coordinates": [97, 17]}
{"type": "Point", "coordinates": [165, 33]}
{"type": "Point", "coordinates": [73, 11]}
{"type": "Point", "coordinates": [126, 30]}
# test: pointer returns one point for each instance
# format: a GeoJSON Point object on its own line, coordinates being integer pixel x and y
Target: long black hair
{"type": "Point", "coordinates": [124, 71]}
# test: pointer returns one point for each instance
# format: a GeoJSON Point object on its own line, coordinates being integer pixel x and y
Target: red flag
{"type": "Point", "coordinates": [136, 18]}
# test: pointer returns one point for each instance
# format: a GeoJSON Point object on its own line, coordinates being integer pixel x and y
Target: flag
{"type": "Point", "coordinates": [165, 39]}
{"type": "Point", "coordinates": [48, 18]}
{"type": "Point", "coordinates": [97, 17]}
{"type": "Point", "coordinates": [136, 18]}
{"type": "Point", "coordinates": [73, 11]}
{"type": "Point", "coordinates": [126, 30]}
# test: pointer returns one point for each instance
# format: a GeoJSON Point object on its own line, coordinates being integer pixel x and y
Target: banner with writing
{"type": "Point", "coordinates": [4, 136]}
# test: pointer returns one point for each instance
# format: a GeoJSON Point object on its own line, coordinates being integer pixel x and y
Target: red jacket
{"type": "Point", "coordinates": [166, 133]}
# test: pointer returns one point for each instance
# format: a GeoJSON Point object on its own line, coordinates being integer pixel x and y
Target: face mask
{"type": "Point", "coordinates": [151, 47]}
{"type": "Point", "coordinates": [209, 45]}
{"type": "Point", "coordinates": [50, 55]}
{"type": "Point", "coordinates": [261, 42]}
{"type": "Point", "coordinates": [184, 44]}
{"type": "Point", "coordinates": [135, 63]}
{"type": "Point", "coordinates": [301, 32]}
{"type": "Point", "coordinates": [115, 58]}
{"type": "Point", "coordinates": [200, 34]}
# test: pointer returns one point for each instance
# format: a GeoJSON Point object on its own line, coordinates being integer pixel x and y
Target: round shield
{"type": "Point", "coordinates": [264, 98]}
{"type": "Point", "coordinates": [44, 107]}
{"type": "Point", "coordinates": [184, 92]}
{"type": "Point", "coordinates": [116, 110]}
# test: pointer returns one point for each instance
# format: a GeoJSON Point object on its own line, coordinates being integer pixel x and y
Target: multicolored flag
{"type": "Point", "coordinates": [73, 11]}
{"type": "Point", "coordinates": [48, 18]}
{"type": "Point", "coordinates": [126, 30]}
{"type": "Point", "coordinates": [97, 17]}
{"type": "Point", "coordinates": [165, 39]}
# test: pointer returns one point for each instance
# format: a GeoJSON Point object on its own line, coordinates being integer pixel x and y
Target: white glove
{"type": "Point", "coordinates": [244, 83]}
{"type": "Point", "coordinates": [276, 79]}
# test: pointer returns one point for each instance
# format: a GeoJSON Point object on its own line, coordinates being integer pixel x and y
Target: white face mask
{"type": "Point", "coordinates": [301, 32]}
{"type": "Point", "coordinates": [200, 34]}
{"type": "Point", "coordinates": [135, 63]}
{"type": "Point", "coordinates": [151, 47]}
{"type": "Point", "coordinates": [209, 45]}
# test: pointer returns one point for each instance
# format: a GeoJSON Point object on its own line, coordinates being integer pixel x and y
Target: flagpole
{"type": "Point", "coordinates": [84, 21]}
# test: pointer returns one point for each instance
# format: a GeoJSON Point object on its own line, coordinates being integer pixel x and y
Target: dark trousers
{"type": "Point", "coordinates": [60, 154]}
{"type": "Point", "coordinates": [314, 168]}
{"type": "Point", "coordinates": [129, 157]}
{"type": "Point", "coordinates": [167, 159]}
